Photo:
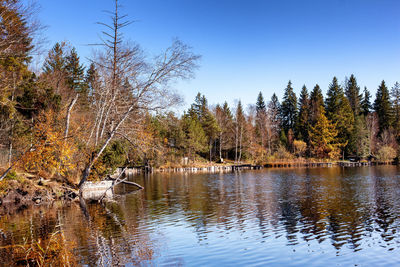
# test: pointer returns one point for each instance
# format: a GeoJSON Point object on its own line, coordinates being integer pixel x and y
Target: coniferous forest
{"type": "Point", "coordinates": [69, 119]}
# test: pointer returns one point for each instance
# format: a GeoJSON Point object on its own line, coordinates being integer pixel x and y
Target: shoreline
{"type": "Point", "coordinates": [19, 197]}
{"type": "Point", "coordinates": [248, 166]}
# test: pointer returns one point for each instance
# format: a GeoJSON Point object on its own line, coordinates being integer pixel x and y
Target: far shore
{"type": "Point", "coordinates": [226, 167]}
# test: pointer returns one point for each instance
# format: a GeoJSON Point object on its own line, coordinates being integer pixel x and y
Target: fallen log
{"type": "Point", "coordinates": [95, 190]}
{"type": "Point", "coordinates": [126, 182]}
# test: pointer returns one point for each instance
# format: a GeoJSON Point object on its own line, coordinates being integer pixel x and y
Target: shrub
{"type": "Point", "coordinates": [282, 153]}
{"type": "Point", "coordinates": [386, 153]}
{"type": "Point", "coordinates": [299, 147]}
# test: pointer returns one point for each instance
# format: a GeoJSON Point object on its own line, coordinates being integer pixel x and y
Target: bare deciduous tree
{"type": "Point", "coordinates": [130, 85]}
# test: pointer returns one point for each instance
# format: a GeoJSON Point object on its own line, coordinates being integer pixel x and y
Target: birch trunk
{"type": "Point", "coordinates": [97, 155]}
{"type": "Point", "coordinates": [71, 105]}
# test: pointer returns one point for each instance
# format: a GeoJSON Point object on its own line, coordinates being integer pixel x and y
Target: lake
{"type": "Point", "coordinates": [275, 217]}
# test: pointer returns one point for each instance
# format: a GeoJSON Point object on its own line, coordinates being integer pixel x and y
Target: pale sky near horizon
{"type": "Point", "coordinates": [250, 46]}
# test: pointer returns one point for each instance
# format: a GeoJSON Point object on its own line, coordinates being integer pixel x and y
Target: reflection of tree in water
{"type": "Point", "coordinates": [343, 208]}
{"type": "Point", "coordinates": [314, 204]}
{"type": "Point", "coordinates": [288, 189]}
{"type": "Point", "coordinates": [386, 217]}
{"type": "Point", "coordinates": [313, 226]}
{"type": "Point", "coordinates": [335, 203]}
{"type": "Point", "coordinates": [114, 240]}
{"type": "Point", "coordinates": [96, 235]}
{"type": "Point", "coordinates": [34, 237]}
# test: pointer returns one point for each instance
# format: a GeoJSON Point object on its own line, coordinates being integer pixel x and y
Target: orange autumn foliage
{"type": "Point", "coordinates": [50, 151]}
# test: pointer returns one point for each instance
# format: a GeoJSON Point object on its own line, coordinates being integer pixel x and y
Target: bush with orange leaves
{"type": "Point", "coordinates": [50, 153]}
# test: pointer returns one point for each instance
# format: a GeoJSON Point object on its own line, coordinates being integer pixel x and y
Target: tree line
{"type": "Point", "coordinates": [340, 125]}
{"type": "Point", "coordinates": [71, 119]}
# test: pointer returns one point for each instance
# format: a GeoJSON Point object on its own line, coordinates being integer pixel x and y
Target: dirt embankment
{"type": "Point", "coordinates": [18, 192]}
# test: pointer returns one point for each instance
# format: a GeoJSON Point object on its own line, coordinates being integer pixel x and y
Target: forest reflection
{"type": "Point", "coordinates": [354, 208]}
{"type": "Point", "coordinates": [344, 205]}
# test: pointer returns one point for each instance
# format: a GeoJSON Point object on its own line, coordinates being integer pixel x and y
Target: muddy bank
{"type": "Point", "coordinates": [18, 194]}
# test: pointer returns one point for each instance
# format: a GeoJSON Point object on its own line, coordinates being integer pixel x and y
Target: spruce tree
{"type": "Point", "coordinates": [361, 140]}
{"type": "Point", "coordinates": [366, 105]}
{"type": "Point", "coordinates": [261, 121]}
{"type": "Point", "coordinates": [200, 112]}
{"type": "Point", "coordinates": [383, 107]}
{"type": "Point", "coordinates": [395, 93]}
{"type": "Point", "coordinates": [210, 128]}
{"type": "Point", "coordinates": [197, 109]}
{"type": "Point", "coordinates": [224, 119]}
{"type": "Point", "coordinates": [56, 59]}
{"type": "Point", "coordinates": [195, 139]}
{"type": "Point", "coordinates": [304, 115]}
{"type": "Point", "coordinates": [240, 133]}
{"type": "Point", "coordinates": [260, 105]}
{"type": "Point", "coordinates": [75, 72]}
{"type": "Point", "coordinates": [274, 108]}
{"type": "Point", "coordinates": [339, 112]}
{"type": "Point", "coordinates": [316, 104]}
{"type": "Point", "coordinates": [289, 108]}
{"type": "Point", "coordinates": [353, 94]}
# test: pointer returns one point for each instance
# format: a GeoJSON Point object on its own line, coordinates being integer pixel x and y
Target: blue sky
{"type": "Point", "coordinates": [249, 46]}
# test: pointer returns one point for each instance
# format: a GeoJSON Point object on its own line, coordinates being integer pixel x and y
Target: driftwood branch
{"type": "Point", "coordinates": [117, 181]}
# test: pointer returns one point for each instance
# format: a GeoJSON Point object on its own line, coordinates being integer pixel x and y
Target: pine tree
{"type": "Point", "coordinates": [199, 111]}
{"type": "Point", "coordinates": [224, 119]}
{"type": "Point", "coordinates": [339, 112]}
{"type": "Point", "coordinates": [333, 98]}
{"type": "Point", "coordinates": [289, 108]}
{"type": "Point", "coordinates": [353, 94]}
{"type": "Point", "coordinates": [383, 107]}
{"type": "Point", "coordinates": [196, 139]}
{"type": "Point", "coordinates": [210, 128]}
{"type": "Point", "coordinates": [361, 139]}
{"type": "Point", "coordinates": [240, 133]}
{"type": "Point", "coordinates": [75, 72]}
{"type": "Point", "coordinates": [395, 93]}
{"type": "Point", "coordinates": [54, 70]}
{"type": "Point", "coordinates": [274, 111]}
{"type": "Point", "coordinates": [316, 104]}
{"type": "Point", "coordinates": [261, 121]}
{"type": "Point", "coordinates": [304, 115]}
{"type": "Point", "coordinates": [75, 78]}
{"type": "Point", "coordinates": [260, 105]}
{"type": "Point", "coordinates": [56, 59]}
{"type": "Point", "coordinates": [197, 108]}
{"type": "Point", "coordinates": [366, 105]}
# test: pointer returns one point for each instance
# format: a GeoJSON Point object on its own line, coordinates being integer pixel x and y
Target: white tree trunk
{"type": "Point", "coordinates": [71, 105]}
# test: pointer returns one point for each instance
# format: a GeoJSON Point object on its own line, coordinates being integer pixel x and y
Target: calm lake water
{"type": "Point", "coordinates": [275, 217]}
